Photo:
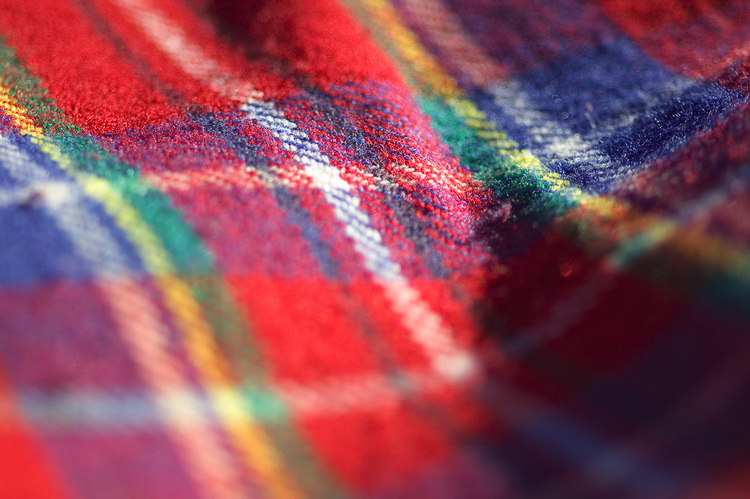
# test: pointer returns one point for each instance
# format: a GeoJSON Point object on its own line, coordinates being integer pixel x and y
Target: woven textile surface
{"type": "Point", "coordinates": [374, 249]}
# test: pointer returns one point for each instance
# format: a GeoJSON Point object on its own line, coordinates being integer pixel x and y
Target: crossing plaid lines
{"type": "Point", "coordinates": [427, 328]}
{"type": "Point", "coordinates": [432, 79]}
{"type": "Point", "coordinates": [144, 332]}
{"type": "Point", "coordinates": [183, 410]}
{"type": "Point", "coordinates": [252, 262]}
{"type": "Point", "coordinates": [128, 410]}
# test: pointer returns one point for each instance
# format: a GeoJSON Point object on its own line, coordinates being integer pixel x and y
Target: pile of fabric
{"type": "Point", "coordinates": [374, 248]}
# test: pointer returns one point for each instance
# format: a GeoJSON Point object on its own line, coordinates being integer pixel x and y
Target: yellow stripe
{"type": "Point", "coordinates": [438, 82]}
{"type": "Point", "coordinates": [253, 444]}
{"type": "Point", "coordinates": [434, 80]}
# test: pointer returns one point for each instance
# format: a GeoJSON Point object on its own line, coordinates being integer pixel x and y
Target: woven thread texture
{"type": "Point", "coordinates": [379, 249]}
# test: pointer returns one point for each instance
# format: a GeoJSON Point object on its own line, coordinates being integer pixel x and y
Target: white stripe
{"type": "Point", "coordinates": [554, 140]}
{"type": "Point", "coordinates": [50, 193]}
{"type": "Point", "coordinates": [425, 326]}
{"type": "Point", "coordinates": [137, 320]}
{"type": "Point", "coordinates": [90, 240]}
{"type": "Point", "coordinates": [104, 410]}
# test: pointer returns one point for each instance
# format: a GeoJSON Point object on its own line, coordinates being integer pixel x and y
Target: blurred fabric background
{"type": "Point", "coordinates": [374, 249]}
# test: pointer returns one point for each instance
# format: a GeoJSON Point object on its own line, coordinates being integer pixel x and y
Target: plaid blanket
{"type": "Point", "coordinates": [374, 248]}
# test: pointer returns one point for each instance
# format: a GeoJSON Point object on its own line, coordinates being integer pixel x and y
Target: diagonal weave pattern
{"type": "Point", "coordinates": [374, 248]}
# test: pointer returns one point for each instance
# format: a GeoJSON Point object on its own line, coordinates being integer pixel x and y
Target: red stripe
{"type": "Point", "coordinates": [370, 450]}
{"type": "Point", "coordinates": [640, 18]}
{"type": "Point", "coordinates": [83, 73]}
{"type": "Point", "coordinates": [698, 38]}
{"type": "Point", "coordinates": [595, 332]}
{"type": "Point", "coordinates": [322, 214]}
{"type": "Point", "coordinates": [25, 471]}
{"type": "Point", "coordinates": [440, 193]}
{"type": "Point", "coordinates": [722, 219]}
{"type": "Point", "coordinates": [318, 38]}
{"type": "Point", "coordinates": [238, 218]}
{"type": "Point", "coordinates": [609, 336]}
{"type": "Point", "coordinates": [199, 33]}
{"type": "Point", "coordinates": [306, 327]}
{"type": "Point", "coordinates": [349, 327]}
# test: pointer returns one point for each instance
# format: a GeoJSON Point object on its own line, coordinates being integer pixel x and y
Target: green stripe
{"type": "Point", "coordinates": [532, 197]}
{"type": "Point", "coordinates": [192, 260]}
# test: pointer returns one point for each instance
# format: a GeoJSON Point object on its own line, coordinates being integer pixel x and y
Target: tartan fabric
{"type": "Point", "coordinates": [374, 248]}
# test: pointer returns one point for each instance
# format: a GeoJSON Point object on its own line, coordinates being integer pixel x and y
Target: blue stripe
{"type": "Point", "coordinates": [227, 128]}
{"type": "Point", "coordinates": [36, 248]}
{"type": "Point", "coordinates": [592, 95]}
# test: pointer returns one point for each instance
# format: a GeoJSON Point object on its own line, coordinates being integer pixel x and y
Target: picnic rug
{"type": "Point", "coordinates": [374, 249]}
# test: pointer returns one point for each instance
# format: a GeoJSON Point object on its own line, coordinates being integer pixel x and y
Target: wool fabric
{"type": "Point", "coordinates": [374, 249]}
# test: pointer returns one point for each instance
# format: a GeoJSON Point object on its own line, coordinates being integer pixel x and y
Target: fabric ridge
{"type": "Point", "coordinates": [374, 249]}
